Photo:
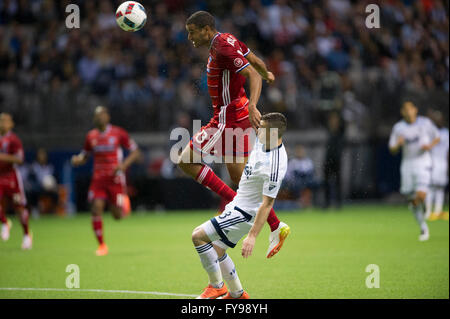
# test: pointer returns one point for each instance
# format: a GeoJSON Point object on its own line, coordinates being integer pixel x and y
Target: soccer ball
{"type": "Point", "coordinates": [131, 16]}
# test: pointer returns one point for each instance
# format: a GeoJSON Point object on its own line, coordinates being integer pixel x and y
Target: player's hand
{"type": "Point", "coordinates": [254, 116]}
{"type": "Point", "coordinates": [119, 168]}
{"type": "Point", "coordinates": [76, 160]}
{"type": "Point", "coordinates": [400, 141]}
{"type": "Point", "coordinates": [270, 77]}
{"type": "Point", "coordinates": [247, 246]}
{"type": "Point", "coordinates": [426, 147]}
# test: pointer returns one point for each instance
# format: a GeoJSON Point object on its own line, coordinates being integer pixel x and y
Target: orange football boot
{"type": "Point", "coordinates": [213, 293]}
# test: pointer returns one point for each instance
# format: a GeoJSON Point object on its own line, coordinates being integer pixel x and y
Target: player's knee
{"type": "Point", "coordinates": [421, 196]}
{"type": "Point", "coordinates": [197, 235]}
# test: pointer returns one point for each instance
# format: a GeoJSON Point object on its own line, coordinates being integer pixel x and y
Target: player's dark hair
{"type": "Point", "coordinates": [276, 120]}
{"type": "Point", "coordinates": [202, 19]}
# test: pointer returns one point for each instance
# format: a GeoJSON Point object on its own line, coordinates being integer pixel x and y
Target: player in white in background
{"type": "Point", "coordinates": [246, 213]}
{"type": "Point", "coordinates": [416, 136]}
{"type": "Point", "coordinates": [439, 174]}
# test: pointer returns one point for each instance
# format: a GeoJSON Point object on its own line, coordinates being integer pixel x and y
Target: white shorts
{"type": "Point", "coordinates": [439, 173]}
{"type": "Point", "coordinates": [228, 228]}
{"type": "Point", "coordinates": [414, 177]}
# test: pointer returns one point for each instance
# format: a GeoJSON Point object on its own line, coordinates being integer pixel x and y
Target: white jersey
{"type": "Point", "coordinates": [416, 135]}
{"type": "Point", "coordinates": [262, 175]}
{"type": "Point", "coordinates": [440, 151]}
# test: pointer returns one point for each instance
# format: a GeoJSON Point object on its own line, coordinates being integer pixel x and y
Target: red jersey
{"type": "Point", "coordinates": [10, 144]}
{"type": "Point", "coordinates": [107, 149]}
{"type": "Point", "coordinates": [225, 84]}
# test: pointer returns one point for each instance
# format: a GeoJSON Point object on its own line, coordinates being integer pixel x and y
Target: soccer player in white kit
{"type": "Point", "coordinates": [416, 136]}
{"type": "Point", "coordinates": [439, 173]}
{"type": "Point", "coordinates": [246, 213]}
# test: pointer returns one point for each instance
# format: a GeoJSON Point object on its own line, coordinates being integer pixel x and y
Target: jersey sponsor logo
{"type": "Point", "coordinates": [231, 41]}
{"type": "Point", "coordinates": [415, 139]}
{"type": "Point", "coordinates": [247, 171]}
{"type": "Point", "coordinates": [238, 62]}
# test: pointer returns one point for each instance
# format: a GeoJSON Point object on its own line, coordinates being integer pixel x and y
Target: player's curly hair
{"type": "Point", "coordinates": [276, 120]}
{"type": "Point", "coordinates": [201, 19]}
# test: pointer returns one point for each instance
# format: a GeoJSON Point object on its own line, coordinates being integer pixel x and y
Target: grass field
{"type": "Point", "coordinates": [324, 257]}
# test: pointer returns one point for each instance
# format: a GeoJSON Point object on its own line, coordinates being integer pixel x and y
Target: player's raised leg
{"type": "Point", "coordinates": [204, 175]}
{"type": "Point", "coordinates": [97, 207]}
{"type": "Point", "coordinates": [209, 259]}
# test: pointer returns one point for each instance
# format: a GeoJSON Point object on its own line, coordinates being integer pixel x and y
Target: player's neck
{"type": "Point", "coordinates": [103, 128]}
{"type": "Point", "coordinates": [212, 34]}
{"type": "Point", "coordinates": [266, 147]}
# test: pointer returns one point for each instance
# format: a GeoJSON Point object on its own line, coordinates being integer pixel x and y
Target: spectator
{"type": "Point", "coordinates": [42, 185]}
{"type": "Point", "coordinates": [332, 164]}
{"type": "Point", "coordinates": [300, 180]}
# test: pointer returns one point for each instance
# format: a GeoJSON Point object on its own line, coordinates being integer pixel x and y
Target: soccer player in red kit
{"type": "Point", "coordinates": [108, 184]}
{"type": "Point", "coordinates": [11, 155]}
{"type": "Point", "coordinates": [230, 63]}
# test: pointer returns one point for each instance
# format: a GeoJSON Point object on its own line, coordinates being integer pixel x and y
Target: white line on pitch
{"type": "Point", "coordinates": [102, 290]}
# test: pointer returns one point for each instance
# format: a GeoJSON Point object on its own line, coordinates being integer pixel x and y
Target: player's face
{"type": "Point", "coordinates": [409, 112]}
{"type": "Point", "coordinates": [6, 123]}
{"type": "Point", "coordinates": [198, 36]}
{"type": "Point", "coordinates": [267, 135]}
{"type": "Point", "coordinates": [101, 118]}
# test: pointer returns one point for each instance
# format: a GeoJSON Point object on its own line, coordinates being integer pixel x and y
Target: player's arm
{"type": "Point", "coordinates": [396, 141]}
{"type": "Point", "coordinates": [260, 67]}
{"type": "Point", "coordinates": [79, 159]}
{"type": "Point", "coordinates": [260, 220]}
{"type": "Point", "coordinates": [10, 158]}
{"type": "Point", "coordinates": [255, 84]}
{"type": "Point", "coordinates": [428, 147]}
{"type": "Point", "coordinates": [130, 159]}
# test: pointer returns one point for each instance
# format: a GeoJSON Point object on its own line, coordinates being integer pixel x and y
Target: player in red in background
{"type": "Point", "coordinates": [108, 183]}
{"type": "Point", "coordinates": [230, 63]}
{"type": "Point", "coordinates": [11, 155]}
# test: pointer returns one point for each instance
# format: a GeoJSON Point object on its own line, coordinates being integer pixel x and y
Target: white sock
{"type": "Point", "coordinates": [230, 275]}
{"type": "Point", "coordinates": [419, 213]}
{"type": "Point", "coordinates": [429, 202]}
{"type": "Point", "coordinates": [208, 257]}
{"type": "Point", "coordinates": [439, 199]}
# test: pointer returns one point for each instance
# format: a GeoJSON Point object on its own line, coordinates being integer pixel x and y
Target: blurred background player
{"type": "Point", "coordinates": [11, 155]}
{"type": "Point", "coordinates": [246, 214]}
{"type": "Point", "coordinates": [230, 63]}
{"type": "Point", "coordinates": [416, 136]}
{"type": "Point", "coordinates": [439, 174]}
{"type": "Point", "coordinates": [108, 184]}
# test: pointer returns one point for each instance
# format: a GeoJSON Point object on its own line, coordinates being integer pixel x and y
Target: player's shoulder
{"type": "Point", "coordinates": [226, 41]}
{"type": "Point", "coordinates": [399, 125]}
{"type": "Point", "coordinates": [13, 137]}
{"type": "Point", "coordinates": [424, 120]}
{"type": "Point", "coordinates": [92, 133]}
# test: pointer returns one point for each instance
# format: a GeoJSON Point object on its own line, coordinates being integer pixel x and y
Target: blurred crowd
{"type": "Point", "coordinates": [321, 52]}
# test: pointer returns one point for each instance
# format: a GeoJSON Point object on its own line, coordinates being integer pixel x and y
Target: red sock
{"type": "Point", "coordinates": [2, 215]}
{"type": "Point", "coordinates": [24, 215]}
{"type": "Point", "coordinates": [97, 225]}
{"type": "Point", "coordinates": [273, 220]}
{"type": "Point", "coordinates": [207, 178]}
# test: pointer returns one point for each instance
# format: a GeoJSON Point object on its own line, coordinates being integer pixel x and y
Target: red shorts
{"type": "Point", "coordinates": [224, 139]}
{"type": "Point", "coordinates": [11, 186]}
{"type": "Point", "coordinates": [113, 190]}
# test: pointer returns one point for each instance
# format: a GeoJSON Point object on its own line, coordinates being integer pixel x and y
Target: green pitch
{"type": "Point", "coordinates": [325, 256]}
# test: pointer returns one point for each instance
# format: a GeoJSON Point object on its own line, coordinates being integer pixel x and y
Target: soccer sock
{"type": "Point", "coordinates": [418, 211]}
{"type": "Point", "coordinates": [429, 202]}
{"type": "Point", "coordinates": [2, 215]}
{"type": "Point", "coordinates": [273, 220]}
{"type": "Point", "coordinates": [207, 178]}
{"type": "Point", "coordinates": [230, 275]}
{"type": "Point", "coordinates": [24, 216]}
{"type": "Point", "coordinates": [439, 196]}
{"type": "Point", "coordinates": [97, 225]}
{"type": "Point", "coordinates": [208, 258]}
